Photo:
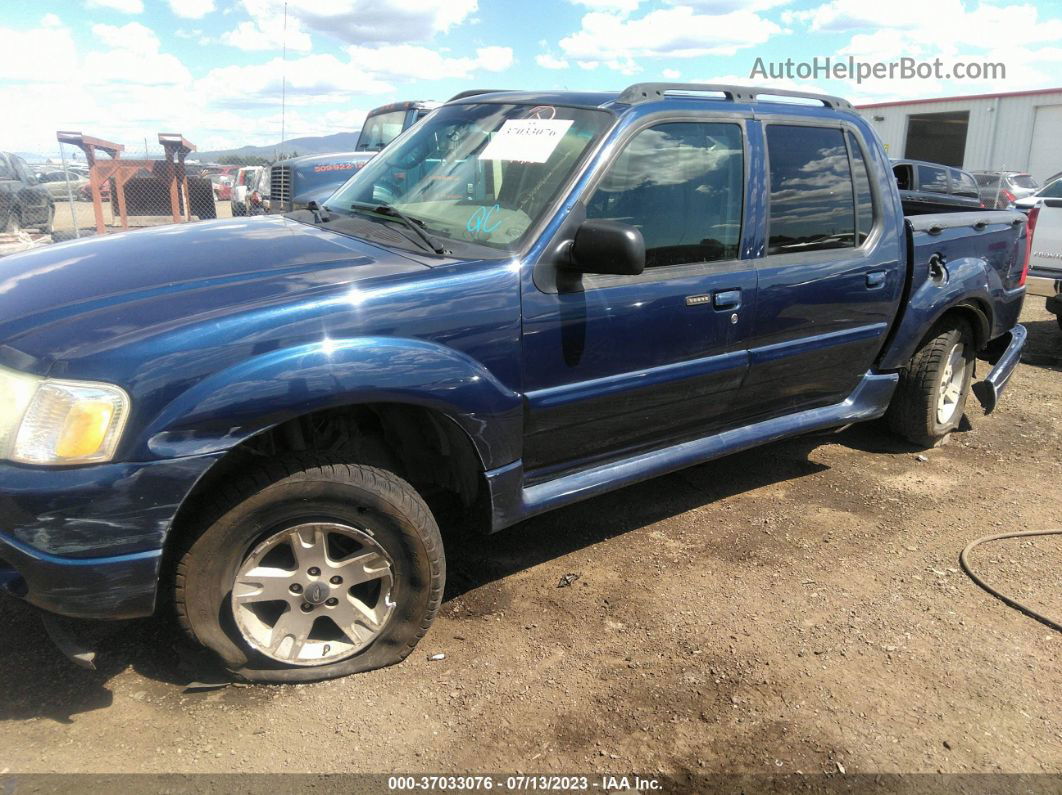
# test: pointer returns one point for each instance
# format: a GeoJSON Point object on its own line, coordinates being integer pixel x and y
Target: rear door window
{"type": "Point", "coordinates": [812, 204]}
{"type": "Point", "coordinates": [1024, 181]}
{"type": "Point", "coordinates": [932, 179]}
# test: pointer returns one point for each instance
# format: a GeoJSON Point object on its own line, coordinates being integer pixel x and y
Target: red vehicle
{"type": "Point", "coordinates": [84, 193]}
{"type": "Point", "coordinates": [222, 187]}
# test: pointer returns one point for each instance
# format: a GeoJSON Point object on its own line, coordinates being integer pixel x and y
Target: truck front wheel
{"type": "Point", "coordinates": [931, 396]}
{"type": "Point", "coordinates": [311, 570]}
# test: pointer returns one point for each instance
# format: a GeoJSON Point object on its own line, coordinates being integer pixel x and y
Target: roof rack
{"type": "Point", "coordinates": [475, 92]}
{"type": "Point", "coordinates": [652, 92]}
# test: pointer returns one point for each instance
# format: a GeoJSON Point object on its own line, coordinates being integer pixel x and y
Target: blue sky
{"type": "Point", "coordinates": [211, 69]}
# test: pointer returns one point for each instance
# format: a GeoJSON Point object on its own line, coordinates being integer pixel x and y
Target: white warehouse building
{"type": "Point", "coordinates": [1016, 131]}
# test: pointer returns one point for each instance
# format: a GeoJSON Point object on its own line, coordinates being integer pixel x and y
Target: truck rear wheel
{"type": "Point", "coordinates": [931, 396]}
{"type": "Point", "coordinates": [311, 570]}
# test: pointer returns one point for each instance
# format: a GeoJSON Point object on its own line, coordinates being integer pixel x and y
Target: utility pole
{"type": "Point", "coordinates": [284, 75]}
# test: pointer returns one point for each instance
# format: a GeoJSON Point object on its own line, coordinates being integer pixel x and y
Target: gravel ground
{"type": "Point", "coordinates": [795, 608]}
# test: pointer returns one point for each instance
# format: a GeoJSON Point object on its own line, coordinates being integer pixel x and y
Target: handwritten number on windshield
{"type": "Point", "coordinates": [479, 223]}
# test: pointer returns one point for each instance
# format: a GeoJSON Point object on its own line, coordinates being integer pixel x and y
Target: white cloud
{"type": "Point", "coordinates": [191, 9]}
{"type": "Point", "coordinates": [357, 22]}
{"type": "Point", "coordinates": [132, 36]}
{"type": "Point", "coordinates": [672, 32]}
{"type": "Point", "coordinates": [671, 74]}
{"type": "Point", "coordinates": [267, 31]}
{"type": "Point", "coordinates": [125, 6]}
{"type": "Point", "coordinates": [341, 120]}
{"type": "Point", "coordinates": [309, 80]}
{"type": "Point", "coordinates": [621, 6]}
{"type": "Point", "coordinates": [20, 56]}
{"type": "Point", "coordinates": [547, 61]}
{"type": "Point", "coordinates": [726, 6]}
{"type": "Point", "coordinates": [51, 21]}
{"type": "Point", "coordinates": [410, 61]}
{"type": "Point", "coordinates": [951, 30]}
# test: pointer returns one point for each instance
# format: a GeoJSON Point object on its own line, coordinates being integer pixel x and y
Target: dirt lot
{"type": "Point", "coordinates": [795, 608]}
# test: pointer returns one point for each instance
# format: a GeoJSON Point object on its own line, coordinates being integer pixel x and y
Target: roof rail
{"type": "Point", "coordinates": [474, 92]}
{"type": "Point", "coordinates": [651, 92]}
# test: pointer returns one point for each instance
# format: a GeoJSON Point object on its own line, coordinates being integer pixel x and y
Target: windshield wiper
{"type": "Point", "coordinates": [383, 208]}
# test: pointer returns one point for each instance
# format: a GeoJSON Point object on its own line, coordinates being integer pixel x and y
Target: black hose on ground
{"type": "Point", "coordinates": [965, 563]}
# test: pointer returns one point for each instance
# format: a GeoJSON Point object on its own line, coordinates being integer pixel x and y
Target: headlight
{"type": "Point", "coordinates": [52, 422]}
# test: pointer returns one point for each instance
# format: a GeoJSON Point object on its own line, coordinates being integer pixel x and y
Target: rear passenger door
{"type": "Point", "coordinates": [830, 283]}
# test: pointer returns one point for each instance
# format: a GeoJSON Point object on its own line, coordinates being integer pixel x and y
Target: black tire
{"type": "Point", "coordinates": [913, 411]}
{"type": "Point", "coordinates": [285, 493]}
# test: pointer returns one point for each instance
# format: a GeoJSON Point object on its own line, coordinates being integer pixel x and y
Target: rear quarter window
{"type": "Point", "coordinates": [963, 184]}
{"type": "Point", "coordinates": [932, 179]}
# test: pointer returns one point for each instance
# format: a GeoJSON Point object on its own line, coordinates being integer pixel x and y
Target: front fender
{"type": "Point", "coordinates": [968, 283]}
{"type": "Point", "coordinates": [232, 405]}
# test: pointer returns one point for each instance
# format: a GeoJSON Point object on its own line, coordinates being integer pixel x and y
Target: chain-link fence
{"type": "Point", "coordinates": [89, 187]}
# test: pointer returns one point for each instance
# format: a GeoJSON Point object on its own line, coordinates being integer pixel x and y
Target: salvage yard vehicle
{"type": "Point", "coordinates": [933, 188]}
{"type": "Point", "coordinates": [1000, 189]}
{"type": "Point", "coordinates": [246, 179]}
{"type": "Point", "coordinates": [24, 202]}
{"type": "Point", "coordinates": [258, 423]}
{"type": "Point", "coordinates": [297, 181]}
{"type": "Point", "coordinates": [1045, 257]}
{"type": "Point", "coordinates": [387, 122]}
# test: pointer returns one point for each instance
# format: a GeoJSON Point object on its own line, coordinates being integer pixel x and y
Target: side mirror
{"type": "Point", "coordinates": [608, 247]}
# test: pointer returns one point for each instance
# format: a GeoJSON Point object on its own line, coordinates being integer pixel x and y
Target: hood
{"type": "Point", "coordinates": [78, 295]}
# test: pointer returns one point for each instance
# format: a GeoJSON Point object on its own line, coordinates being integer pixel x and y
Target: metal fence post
{"type": "Point", "coordinates": [69, 191]}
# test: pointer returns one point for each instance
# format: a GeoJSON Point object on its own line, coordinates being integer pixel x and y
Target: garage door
{"type": "Point", "coordinates": [1045, 157]}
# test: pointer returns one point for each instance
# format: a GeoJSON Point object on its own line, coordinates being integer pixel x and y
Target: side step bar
{"type": "Point", "coordinates": [512, 502]}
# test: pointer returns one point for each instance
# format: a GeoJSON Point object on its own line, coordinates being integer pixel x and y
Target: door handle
{"type": "Point", "coordinates": [876, 279]}
{"type": "Point", "coordinates": [726, 299]}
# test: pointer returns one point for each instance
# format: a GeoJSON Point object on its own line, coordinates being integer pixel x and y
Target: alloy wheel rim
{"type": "Point", "coordinates": [951, 383]}
{"type": "Point", "coordinates": [314, 593]}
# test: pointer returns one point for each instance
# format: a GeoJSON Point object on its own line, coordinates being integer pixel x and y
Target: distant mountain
{"type": "Point", "coordinates": [310, 145]}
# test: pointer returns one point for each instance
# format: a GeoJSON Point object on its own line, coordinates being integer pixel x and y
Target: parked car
{"type": "Point", "coordinates": [244, 181]}
{"type": "Point", "coordinates": [258, 193]}
{"type": "Point", "coordinates": [84, 193]}
{"type": "Point", "coordinates": [932, 188]}
{"type": "Point", "coordinates": [1045, 256]}
{"type": "Point", "coordinates": [222, 184]}
{"type": "Point", "coordinates": [387, 122]}
{"type": "Point", "coordinates": [55, 181]}
{"type": "Point", "coordinates": [297, 181]}
{"type": "Point", "coordinates": [1000, 189]}
{"type": "Point", "coordinates": [257, 420]}
{"type": "Point", "coordinates": [1052, 189]}
{"type": "Point", "coordinates": [24, 202]}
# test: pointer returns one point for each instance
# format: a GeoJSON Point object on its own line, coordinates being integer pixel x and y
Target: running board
{"type": "Point", "coordinates": [512, 502]}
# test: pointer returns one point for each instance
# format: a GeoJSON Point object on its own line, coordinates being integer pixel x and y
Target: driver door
{"type": "Point", "coordinates": [629, 363]}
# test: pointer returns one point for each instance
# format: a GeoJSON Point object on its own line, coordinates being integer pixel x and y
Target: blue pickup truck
{"type": "Point", "coordinates": [255, 423]}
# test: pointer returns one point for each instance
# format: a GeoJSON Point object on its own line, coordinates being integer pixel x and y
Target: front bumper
{"type": "Point", "coordinates": [1004, 355]}
{"type": "Point", "coordinates": [88, 541]}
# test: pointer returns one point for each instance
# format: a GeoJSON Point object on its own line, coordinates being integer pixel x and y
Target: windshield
{"type": "Point", "coordinates": [480, 173]}
{"type": "Point", "coordinates": [1053, 190]}
{"type": "Point", "coordinates": [380, 130]}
